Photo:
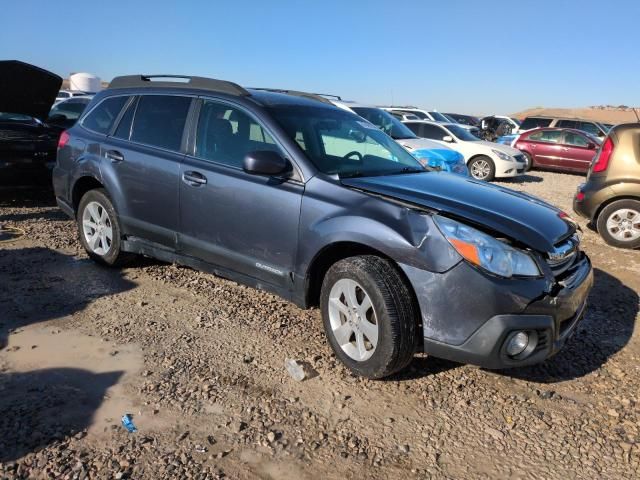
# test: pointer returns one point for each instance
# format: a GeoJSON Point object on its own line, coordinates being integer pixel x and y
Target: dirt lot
{"type": "Point", "coordinates": [199, 363]}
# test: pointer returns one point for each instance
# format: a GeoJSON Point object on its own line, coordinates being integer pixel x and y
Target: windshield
{"type": "Point", "coordinates": [438, 117]}
{"type": "Point", "coordinates": [385, 121]}
{"type": "Point", "coordinates": [338, 142]}
{"type": "Point", "coordinates": [462, 133]}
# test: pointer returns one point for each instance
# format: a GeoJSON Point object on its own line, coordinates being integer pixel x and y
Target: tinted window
{"type": "Point", "coordinates": [159, 121]}
{"type": "Point", "coordinates": [567, 124]}
{"type": "Point", "coordinates": [102, 117]}
{"type": "Point", "coordinates": [70, 109]}
{"type": "Point", "coordinates": [548, 136]}
{"type": "Point", "coordinates": [414, 127]}
{"type": "Point", "coordinates": [438, 117]}
{"type": "Point", "coordinates": [225, 135]}
{"type": "Point", "coordinates": [575, 139]}
{"type": "Point", "coordinates": [535, 122]}
{"type": "Point", "coordinates": [433, 132]}
{"type": "Point", "coordinates": [63, 95]}
{"type": "Point", "coordinates": [124, 127]}
{"type": "Point", "coordinates": [589, 128]}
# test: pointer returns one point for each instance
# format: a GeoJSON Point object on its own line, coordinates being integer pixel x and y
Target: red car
{"type": "Point", "coordinates": [558, 149]}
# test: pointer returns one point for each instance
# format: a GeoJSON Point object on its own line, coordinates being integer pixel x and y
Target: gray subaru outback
{"type": "Point", "coordinates": [285, 192]}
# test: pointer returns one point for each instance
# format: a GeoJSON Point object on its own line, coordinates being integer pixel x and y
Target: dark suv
{"type": "Point", "coordinates": [298, 197]}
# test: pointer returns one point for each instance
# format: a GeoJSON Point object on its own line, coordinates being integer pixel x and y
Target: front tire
{"type": "Point", "coordinates": [99, 228]}
{"type": "Point", "coordinates": [482, 168]}
{"type": "Point", "coordinates": [619, 223]}
{"type": "Point", "coordinates": [369, 314]}
{"type": "Point", "coordinates": [529, 162]}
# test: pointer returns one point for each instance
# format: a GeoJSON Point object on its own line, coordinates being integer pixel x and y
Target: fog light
{"type": "Point", "coordinates": [517, 344]}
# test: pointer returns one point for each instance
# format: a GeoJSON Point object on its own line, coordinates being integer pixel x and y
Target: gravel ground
{"type": "Point", "coordinates": [199, 364]}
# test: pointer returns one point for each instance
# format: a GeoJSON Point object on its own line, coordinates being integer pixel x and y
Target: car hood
{"type": "Point", "coordinates": [27, 89]}
{"type": "Point", "coordinates": [516, 215]}
{"type": "Point", "coordinates": [420, 143]}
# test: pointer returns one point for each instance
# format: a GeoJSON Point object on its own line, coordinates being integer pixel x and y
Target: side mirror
{"type": "Point", "coordinates": [447, 138]}
{"type": "Point", "coordinates": [591, 146]}
{"type": "Point", "coordinates": [265, 162]}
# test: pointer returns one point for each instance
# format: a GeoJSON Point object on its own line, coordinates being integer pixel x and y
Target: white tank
{"type": "Point", "coordinates": [85, 82]}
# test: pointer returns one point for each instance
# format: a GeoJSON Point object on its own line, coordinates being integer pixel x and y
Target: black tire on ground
{"type": "Point", "coordinates": [609, 211]}
{"type": "Point", "coordinates": [114, 256]}
{"type": "Point", "coordinates": [477, 161]}
{"type": "Point", "coordinates": [395, 310]}
{"type": "Point", "coordinates": [529, 161]}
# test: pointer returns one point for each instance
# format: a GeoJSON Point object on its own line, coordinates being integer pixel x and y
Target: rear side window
{"type": "Point", "coordinates": [548, 136]}
{"type": "Point", "coordinates": [159, 121]}
{"type": "Point", "coordinates": [101, 118]}
{"type": "Point", "coordinates": [567, 124]}
{"type": "Point", "coordinates": [589, 128]}
{"type": "Point", "coordinates": [535, 122]}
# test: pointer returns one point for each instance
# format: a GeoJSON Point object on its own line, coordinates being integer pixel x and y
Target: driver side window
{"type": "Point", "coordinates": [226, 134]}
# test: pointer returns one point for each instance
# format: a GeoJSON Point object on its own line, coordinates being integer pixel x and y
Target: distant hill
{"type": "Point", "coordinates": [605, 114]}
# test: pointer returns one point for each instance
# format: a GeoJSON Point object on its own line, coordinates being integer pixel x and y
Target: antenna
{"type": "Point", "coordinates": [636, 112]}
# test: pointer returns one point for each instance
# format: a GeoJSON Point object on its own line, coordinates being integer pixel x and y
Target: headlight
{"type": "Point", "coordinates": [485, 251]}
{"type": "Point", "coordinates": [503, 156]}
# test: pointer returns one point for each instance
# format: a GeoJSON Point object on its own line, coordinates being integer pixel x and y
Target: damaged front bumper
{"type": "Point", "coordinates": [469, 316]}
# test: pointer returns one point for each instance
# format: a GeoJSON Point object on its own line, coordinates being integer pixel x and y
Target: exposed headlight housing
{"type": "Point", "coordinates": [503, 156]}
{"type": "Point", "coordinates": [485, 251]}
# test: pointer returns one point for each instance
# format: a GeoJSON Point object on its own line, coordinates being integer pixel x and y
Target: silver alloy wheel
{"type": "Point", "coordinates": [97, 228]}
{"type": "Point", "coordinates": [353, 320]}
{"type": "Point", "coordinates": [480, 169]}
{"type": "Point", "coordinates": [624, 225]}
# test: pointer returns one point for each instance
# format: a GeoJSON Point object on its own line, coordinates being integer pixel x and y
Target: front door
{"type": "Point", "coordinates": [242, 222]}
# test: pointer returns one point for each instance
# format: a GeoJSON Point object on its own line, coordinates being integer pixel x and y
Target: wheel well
{"type": "Point", "coordinates": [594, 220]}
{"type": "Point", "coordinates": [82, 186]}
{"type": "Point", "coordinates": [332, 254]}
{"type": "Point", "coordinates": [478, 155]}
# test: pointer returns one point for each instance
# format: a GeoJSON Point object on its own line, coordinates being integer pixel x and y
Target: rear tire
{"type": "Point", "coordinates": [619, 223]}
{"type": "Point", "coordinates": [369, 314]}
{"type": "Point", "coordinates": [99, 229]}
{"type": "Point", "coordinates": [482, 168]}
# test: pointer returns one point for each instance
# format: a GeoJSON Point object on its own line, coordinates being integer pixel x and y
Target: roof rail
{"type": "Point", "coordinates": [398, 106]}
{"type": "Point", "coordinates": [320, 97]}
{"type": "Point", "coordinates": [199, 83]}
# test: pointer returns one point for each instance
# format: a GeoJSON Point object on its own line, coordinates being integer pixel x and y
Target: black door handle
{"type": "Point", "coordinates": [194, 179]}
{"type": "Point", "coordinates": [114, 155]}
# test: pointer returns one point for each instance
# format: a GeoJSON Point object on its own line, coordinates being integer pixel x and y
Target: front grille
{"type": "Point", "coordinates": [563, 255]}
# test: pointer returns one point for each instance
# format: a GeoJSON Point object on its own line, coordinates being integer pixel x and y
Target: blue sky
{"type": "Point", "coordinates": [467, 56]}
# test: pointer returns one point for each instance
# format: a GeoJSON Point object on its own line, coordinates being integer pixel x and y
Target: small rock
{"type": "Point", "coordinates": [404, 448]}
{"type": "Point", "coordinates": [271, 437]}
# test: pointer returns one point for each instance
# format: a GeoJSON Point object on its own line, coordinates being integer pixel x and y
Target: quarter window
{"type": "Point", "coordinates": [159, 121]}
{"type": "Point", "coordinates": [226, 134]}
{"type": "Point", "coordinates": [101, 118]}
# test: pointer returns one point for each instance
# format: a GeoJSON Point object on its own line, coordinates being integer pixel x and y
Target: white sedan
{"type": "Point", "coordinates": [485, 160]}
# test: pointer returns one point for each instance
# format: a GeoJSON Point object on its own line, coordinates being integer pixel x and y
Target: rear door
{"type": "Point", "coordinates": [546, 147]}
{"type": "Point", "coordinates": [578, 151]}
{"type": "Point", "coordinates": [142, 166]}
{"type": "Point", "coordinates": [242, 222]}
